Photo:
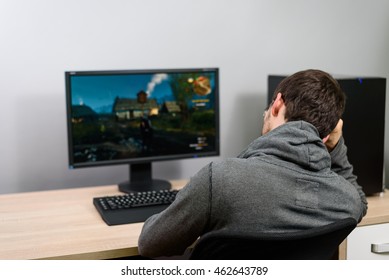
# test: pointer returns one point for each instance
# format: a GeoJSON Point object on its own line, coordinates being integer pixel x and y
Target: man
{"type": "Point", "coordinates": [294, 177]}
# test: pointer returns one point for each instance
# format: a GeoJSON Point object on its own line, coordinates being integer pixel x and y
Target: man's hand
{"type": "Point", "coordinates": [334, 136]}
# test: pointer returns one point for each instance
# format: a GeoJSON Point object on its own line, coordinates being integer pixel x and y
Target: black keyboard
{"type": "Point", "coordinates": [133, 208]}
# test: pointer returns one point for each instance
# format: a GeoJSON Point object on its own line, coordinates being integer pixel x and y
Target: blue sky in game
{"type": "Point", "coordinates": [99, 91]}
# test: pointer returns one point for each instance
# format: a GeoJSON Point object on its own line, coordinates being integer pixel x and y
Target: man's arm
{"type": "Point", "coordinates": [340, 163]}
{"type": "Point", "coordinates": [170, 232]}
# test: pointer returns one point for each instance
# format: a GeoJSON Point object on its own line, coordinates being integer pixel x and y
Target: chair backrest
{"type": "Point", "coordinates": [319, 243]}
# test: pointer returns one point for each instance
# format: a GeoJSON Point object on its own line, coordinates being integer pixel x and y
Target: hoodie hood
{"type": "Point", "coordinates": [296, 142]}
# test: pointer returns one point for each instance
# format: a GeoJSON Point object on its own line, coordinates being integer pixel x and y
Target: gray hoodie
{"type": "Point", "coordinates": [284, 181]}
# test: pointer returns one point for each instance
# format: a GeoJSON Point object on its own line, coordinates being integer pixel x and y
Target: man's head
{"type": "Point", "coordinates": [312, 96]}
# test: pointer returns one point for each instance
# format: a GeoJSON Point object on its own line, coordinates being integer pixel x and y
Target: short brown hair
{"type": "Point", "coordinates": [313, 96]}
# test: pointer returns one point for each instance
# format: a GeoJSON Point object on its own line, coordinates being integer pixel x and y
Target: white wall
{"type": "Point", "coordinates": [246, 39]}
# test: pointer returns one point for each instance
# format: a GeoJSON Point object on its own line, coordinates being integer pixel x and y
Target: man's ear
{"type": "Point", "coordinates": [277, 104]}
{"type": "Point", "coordinates": [325, 139]}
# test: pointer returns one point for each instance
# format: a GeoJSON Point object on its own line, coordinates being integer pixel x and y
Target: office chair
{"type": "Point", "coordinates": [320, 243]}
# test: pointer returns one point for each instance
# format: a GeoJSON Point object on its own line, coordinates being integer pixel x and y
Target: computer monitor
{"type": "Point", "coordinates": [137, 117]}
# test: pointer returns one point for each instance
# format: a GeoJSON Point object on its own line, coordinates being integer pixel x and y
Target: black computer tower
{"type": "Point", "coordinates": [363, 129]}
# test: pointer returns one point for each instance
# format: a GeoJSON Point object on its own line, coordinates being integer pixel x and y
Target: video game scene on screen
{"type": "Point", "coordinates": [151, 114]}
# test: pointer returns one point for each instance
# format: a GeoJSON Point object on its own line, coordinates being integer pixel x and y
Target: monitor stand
{"type": "Point", "coordinates": [141, 180]}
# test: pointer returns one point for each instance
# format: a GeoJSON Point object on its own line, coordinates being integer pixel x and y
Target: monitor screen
{"type": "Point", "coordinates": [139, 116]}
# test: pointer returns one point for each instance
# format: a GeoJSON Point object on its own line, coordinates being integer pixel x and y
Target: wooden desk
{"type": "Point", "coordinates": [378, 210]}
{"type": "Point", "coordinates": [63, 224]}
{"type": "Point", "coordinates": [377, 213]}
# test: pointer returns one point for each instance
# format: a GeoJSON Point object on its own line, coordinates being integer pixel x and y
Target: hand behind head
{"type": "Point", "coordinates": [334, 136]}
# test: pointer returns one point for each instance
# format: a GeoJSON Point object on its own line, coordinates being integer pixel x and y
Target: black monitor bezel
{"type": "Point", "coordinates": [73, 165]}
